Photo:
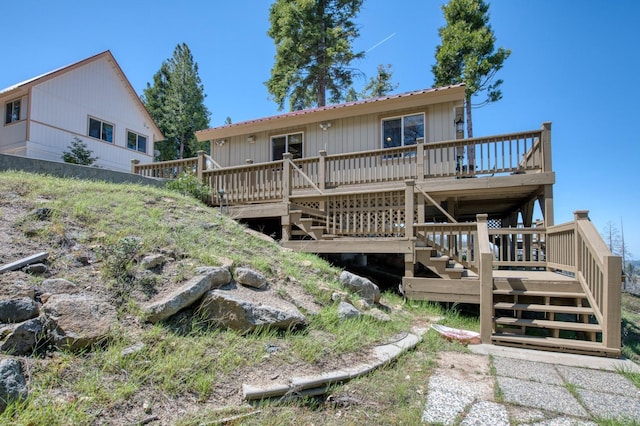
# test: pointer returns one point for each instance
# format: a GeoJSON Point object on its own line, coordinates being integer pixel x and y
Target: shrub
{"type": "Point", "coordinates": [79, 153]}
{"type": "Point", "coordinates": [188, 184]}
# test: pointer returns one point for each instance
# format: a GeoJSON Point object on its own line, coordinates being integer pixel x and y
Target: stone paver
{"type": "Point", "coordinates": [600, 381]}
{"type": "Point", "coordinates": [527, 370]}
{"type": "Point", "coordinates": [486, 412]}
{"type": "Point", "coordinates": [611, 406]}
{"type": "Point", "coordinates": [540, 395]}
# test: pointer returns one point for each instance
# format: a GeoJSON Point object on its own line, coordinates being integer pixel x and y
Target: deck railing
{"type": "Point", "coordinates": [456, 240]}
{"type": "Point", "coordinates": [578, 248]}
{"type": "Point", "coordinates": [504, 154]}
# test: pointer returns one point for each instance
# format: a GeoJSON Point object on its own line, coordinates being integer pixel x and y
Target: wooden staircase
{"type": "Point", "coordinates": [546, 314]}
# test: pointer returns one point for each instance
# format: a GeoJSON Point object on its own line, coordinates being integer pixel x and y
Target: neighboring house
{"type": "Point", "coordinates": [90, 99]}
{"type": "Point", "coordinates": [390, 121]}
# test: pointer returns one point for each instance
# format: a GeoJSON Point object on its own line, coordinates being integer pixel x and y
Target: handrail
{"type": "Point", "coordinates": [165, 169]}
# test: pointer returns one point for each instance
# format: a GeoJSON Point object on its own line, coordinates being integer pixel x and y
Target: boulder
{"type": "Point", "coordinates": [165, 305]}
{"type": "Point", "coordinates": [18, 310]}
{"type": "Point", "coordinates": [13, 385]}
{"type": "Point", "coordinates": [360, 286]}
{"type": "Point", "coordinates": [250, 278]}
{"type": "Point", "coordinates": [230, 311]}
{"type": "Point", "coordinates": [58, 286]}
{"type": "Point", "coordinates": [23, 338]}
{"type": "Point", "coordinates": [153, 261]}
{"type": "Point", "coordinates": [347, 310]}
{"type": "Point", "coordinates": [79, 321]}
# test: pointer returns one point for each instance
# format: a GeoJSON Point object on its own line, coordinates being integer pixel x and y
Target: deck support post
{"type": "Point", "coordinates": [409, 218]}
{"type": "Point", "coordinates": [286, 194]}
{"type": "Point", "coordinates": [134, 163]}
{"type": "Point", "coordinates": [201, 164]}
{"type": "Point", "coordinates": [420, 159]}
{"type": "Point", "coordinates": [485, 267]}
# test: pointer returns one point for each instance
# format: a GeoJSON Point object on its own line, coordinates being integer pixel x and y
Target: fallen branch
{"type": "Point", "coordinates": [24, 262]}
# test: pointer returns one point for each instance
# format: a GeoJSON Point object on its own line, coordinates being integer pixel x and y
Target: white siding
{"type": "Point", "coordinates": [61, 107]}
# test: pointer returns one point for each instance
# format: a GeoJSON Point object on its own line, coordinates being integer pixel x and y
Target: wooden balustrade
{"type": "Point", "coordinates": [247, 184]}
{"type": "Point", "coordinates": [165, 169]}
{"type": "Point", "coordinates": [561, 247]}
{"type": "Point", "coordinates": [456, 240]}
{"type": "Point", "coordinates": [518, 247]}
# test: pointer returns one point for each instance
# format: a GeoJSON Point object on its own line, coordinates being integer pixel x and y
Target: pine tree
{"type": "Point", "coordinates": [176, 103]}
{"type": "Point", "coordinates": [381, 84]}
{"type": "Point", "coordinates": [313, 51]}
{"type": "Point", "coordinates": [467, 53]}
{"type": "Point", "coordinates": [79, 153]}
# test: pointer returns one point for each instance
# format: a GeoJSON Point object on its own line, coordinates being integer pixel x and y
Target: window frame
{"type": "Point", "coordinates": [102, 123]}
{"type": "Point", "coordinates": [402, 118]}
{"type": "Point", "coordinates": [9, 118]}
{"type": "Point", "coordinates": [138, 136]}
{"type": "Point", "coordinates": [287, 136]}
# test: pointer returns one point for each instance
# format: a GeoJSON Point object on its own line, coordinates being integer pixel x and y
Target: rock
{"type": "Point", "coordinates": [250, 278]}
{"type": "Point", "coordinates": [347, 310]}
{"type": "Point", "coordinates": [43, 213]}
{"type": "Point", "coordinates": [378, 315]}
{"type": "Point", "coordinates": [36, 269]}
{"type": "Point", "coordinates": [168, 304]}
{"type": "Point", "coordinates": [15, 289]}
{"type": "Point", "coordinates": [23, 338]}
{"type": "Point", "coordinates": [360, 286]}
{"type": "Point", "coordinates": [79, 321]}
{"type": "Point", "coordinates": [13, 385]}
{"type": "Point", "coordinates": [229, 311]}
{"type": "Point", "coordinates": [153, 261]}
{"type": "Point", "coordinates": [58, 286]}
{"type": "Point", "coordinates": [18, 310]}
{"type": "Point", "coordinates": [132, 350]}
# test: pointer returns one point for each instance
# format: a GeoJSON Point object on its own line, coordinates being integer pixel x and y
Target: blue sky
{"type": "Point", "coordinates": [573, 62]}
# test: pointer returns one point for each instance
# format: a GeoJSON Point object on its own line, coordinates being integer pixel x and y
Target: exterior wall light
{"type": "Point", "coordinates": [325, 125]}
{"type": "Point", "coordinates": [251, 139]}
{"type": "Point", "coordinates": [459, 122]}
{"type": "Point", "coordinates": [220, 142]}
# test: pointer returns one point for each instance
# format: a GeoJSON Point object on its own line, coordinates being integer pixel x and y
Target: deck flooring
{"type": "Point", "coordinates": [532, 275]}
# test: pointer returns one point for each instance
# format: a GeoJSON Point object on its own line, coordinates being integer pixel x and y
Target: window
{"type": "Point", "coordinates": [402, 131]}
{"type": "Point", "coordinates": [136, 142]}
{"type": "Point", "coordinates": [286, 143]}
{"type": "Point", "coordinates": [12, 113]}
{"type": "Point", "coordinates": [100, 130]}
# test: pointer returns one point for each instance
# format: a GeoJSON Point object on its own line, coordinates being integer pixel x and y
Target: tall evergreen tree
{"type": "Point", "coordinates": [176, 103]}
{"type": "Point", "coordinates": [467, 53]}
{"type": "Point", "coordinates": [381, 84]}
{"type": "Point", "coordinates": [313, 51]}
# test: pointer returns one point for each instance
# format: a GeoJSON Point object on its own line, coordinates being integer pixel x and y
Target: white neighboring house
{"type": "Point", "coordinates": [92, 100]}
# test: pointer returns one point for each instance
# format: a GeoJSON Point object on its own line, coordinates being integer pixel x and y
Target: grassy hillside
{"type": "Point", "coordinates": [182, 371]}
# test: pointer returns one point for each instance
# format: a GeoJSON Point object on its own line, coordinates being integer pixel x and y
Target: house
{"type": "Point", "coordinates": [91, 100]}
{"type": "Point", "coordinates": [393, 181]}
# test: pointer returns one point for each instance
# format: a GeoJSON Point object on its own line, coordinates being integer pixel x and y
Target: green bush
{"type": "Point", "coordinates": [188, 184]}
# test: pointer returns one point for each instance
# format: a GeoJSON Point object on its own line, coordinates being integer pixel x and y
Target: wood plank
{"type": "Point", "coordinates": [554, 343]}
{"type": "Point", "coordinates": [562, 325]}
{"type": "Point", "coordinates": [543, 308]}
{"type": "Point", "coordinates": [565, 294]}
{"type": "Point", "coordinates": [29, 260]}
{"type": "Point", "coordinates": [352, 245]}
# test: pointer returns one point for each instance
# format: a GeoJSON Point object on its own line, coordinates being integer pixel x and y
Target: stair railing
{"type": "Point", "coordinates": [594, 267]}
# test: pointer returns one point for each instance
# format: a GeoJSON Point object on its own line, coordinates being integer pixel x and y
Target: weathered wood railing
{"type": "Point", "coordinates": [578, 248]}
{"type": "Point", "coordinates": [504, 154]}
{"type": "Point", "coordinates": [518, 247]}
{"type": "Point", "coordinates": [456, 240]}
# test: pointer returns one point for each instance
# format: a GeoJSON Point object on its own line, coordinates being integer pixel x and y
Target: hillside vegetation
{"type": "Point", "coordinates": [183, 371]}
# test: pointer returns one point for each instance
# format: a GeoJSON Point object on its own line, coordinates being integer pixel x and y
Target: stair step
{"type": "Point", "coordinates": [538, 323]}
{"type": "Point", "coordinates": [543, 308]}
{"type": "Point", "coordinates": [554, 343]}
{"type": "Point", "coordinates": [563, 294]}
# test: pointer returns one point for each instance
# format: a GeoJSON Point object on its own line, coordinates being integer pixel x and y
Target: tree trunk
{"type": "Point", "coordinates": [322, 57]}
{"type": "Point", "coordinates": [471, 149]}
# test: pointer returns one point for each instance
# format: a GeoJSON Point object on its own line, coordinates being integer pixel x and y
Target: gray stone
{"type": "Point", "coordinates": [250, 278]}
{"type": "Point", "coordinates": [36, 268]}
{"type": "Point", "coordinates": [13, 385]}
{"type": "Point", "coordinates": [132, 350]}
{"type": "Point", "coordinates": [18, 310]}
{"type": "Point", "coordinates": [378, 315]}
{"type": "Point", "coordinates": [186, 295]}
{"type": "Point", "coordinates": [229, 311]}
{"type": "Point", "coordinates": [79, 321]}
{"type": "Point", "coordinates": [360, 286]}
{"type": "Point", "coordinates": [220, 276]}
{"type": "Point", "coordinates": [58, 286]}
{"type": "Point", "coordinates": [23, 338]}
{"type": "Point", "coordinates": [153, 261]}
{"type": "Point", "coordinates": [347, 310]}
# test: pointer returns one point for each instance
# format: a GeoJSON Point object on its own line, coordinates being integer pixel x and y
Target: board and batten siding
{"type": "Point", "coordinates": [348, 134]}
{"type": "Point", "coordinates": [61, 108]}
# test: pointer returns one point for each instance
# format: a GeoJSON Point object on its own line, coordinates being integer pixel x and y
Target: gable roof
{"type": "Point", "coordinates": [332, 112]}
{"type": "Point", "coordinates": [24, 86]}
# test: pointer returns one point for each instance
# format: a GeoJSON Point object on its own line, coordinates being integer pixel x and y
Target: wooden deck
{"type": "Point", "coordinates": [468, 222]}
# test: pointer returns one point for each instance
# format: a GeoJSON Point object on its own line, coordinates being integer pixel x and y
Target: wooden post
{"type": "Point", "coordinates": [322, 176]}
{"type": "Point", "coordinates": [420, 159]}
{"type": "Point", "coordinates": [611, 301]}
{"type": "Point", "coordinates": [577, 238]}
{"type": "Point", "coordinates": [286, 176]}
{"type": "Point", "coordinates": [134, 163]}
{"type": "Point", "coordinates": [201, 165]}
{"type": "Point", "coordinates": [546, 147]}
{"type": "Point", "coordinates": [486, 279]}
{"type": "Point", "coordinates": [408, 208]}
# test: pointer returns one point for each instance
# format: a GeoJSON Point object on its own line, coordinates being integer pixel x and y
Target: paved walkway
{"type": "Point", "coordinates": [532, 388]}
